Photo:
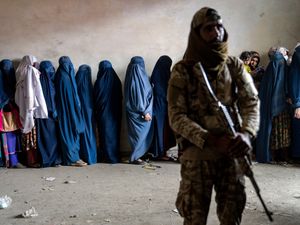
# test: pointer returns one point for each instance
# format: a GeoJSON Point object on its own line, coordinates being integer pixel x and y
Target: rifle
{"type": "Point", "coordinates": [243, 162]}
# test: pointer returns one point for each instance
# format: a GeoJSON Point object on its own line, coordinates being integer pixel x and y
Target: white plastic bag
{"type": "Point", "coordinates": [5, 202]}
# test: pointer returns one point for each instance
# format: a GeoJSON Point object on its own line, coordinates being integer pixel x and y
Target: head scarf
{"type": "Point", "coordinates": [212, 55]}
{"type": "Point", "coordinates": [29, 94]}
{"type": "Point", "coordinates": [27, 63]}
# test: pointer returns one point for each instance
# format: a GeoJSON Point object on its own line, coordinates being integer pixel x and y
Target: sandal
{"type": "Point", "coordinates": [138, 162]}
{"type": "Point", "coordinates": [79, 163]}
{"type": "Point", "coordinates": [168, 159]}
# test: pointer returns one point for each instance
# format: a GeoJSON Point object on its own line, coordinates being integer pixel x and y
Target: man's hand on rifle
{"type": "Point", "coordinates": [234, 147]}
{"type": "Point", "coordinates": [240, 145]}
{"type": "Point", "coordinates": [220, 143]}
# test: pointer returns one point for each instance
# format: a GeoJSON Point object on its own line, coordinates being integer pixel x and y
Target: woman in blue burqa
{"type": "Point", "coordinates": [10, 141]}
{"type": "Point", "coordinates": [163, 137]}
{"type": "Point", "coordinates": [273, 138]}
{"type": "Point", "coordinates": [108, 112]}
{"type": "Point", "coordinates": [88, 147]}
{"type": "Point", "coordinates": [70, 119]}
{"type": "Point", "coordinates": [138, 105]}
{"type": "Point", "coordinates": [294, 90]}
{"type": "Point", "coordinates": [47, 129]}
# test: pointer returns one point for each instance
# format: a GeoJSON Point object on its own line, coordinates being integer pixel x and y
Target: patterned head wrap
{"type": "Point", "coordinates": [212, 55]}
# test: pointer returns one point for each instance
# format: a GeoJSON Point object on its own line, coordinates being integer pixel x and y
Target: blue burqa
{"type": "Point", "coordinates": [4, 99]}
{"type": "Point", "coordinates": [108, 111]}
{"type": "Point", "coordinates": [88, 147]}
{"type": "Point", "coordinates": [294, 91]}
{"type": "Point", "coordinates": [70, 119]}
{"type": "Point", "coordinates": [138, 102]}
{"type": "Point", "coordinates": [272, 93]}
{"type": "Point", "coordinates": [8, 77]}
{"type": "Point", "coordinates": [162, 135]}
{"type": "Point", "coordinates": [47, 129]}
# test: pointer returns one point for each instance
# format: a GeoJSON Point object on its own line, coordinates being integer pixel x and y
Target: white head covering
{"type": "Point", "coordinates": [29, 94]}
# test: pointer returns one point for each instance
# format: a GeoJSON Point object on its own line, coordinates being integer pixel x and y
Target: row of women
{"type": "Point", "coordinates": [279, 92]}
{"type": "Point", "coordinates": [65, 119]}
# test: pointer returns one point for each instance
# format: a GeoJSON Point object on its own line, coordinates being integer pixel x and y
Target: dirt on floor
{"type": "Point", "coordinates": [124, 194]}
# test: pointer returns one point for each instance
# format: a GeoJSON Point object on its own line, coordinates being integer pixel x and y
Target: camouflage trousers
{"type": "Point", "coordinates": [199, 178]}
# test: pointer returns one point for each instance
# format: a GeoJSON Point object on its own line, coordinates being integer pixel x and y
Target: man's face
{"type": "Point", "coordinates": [212, 31]}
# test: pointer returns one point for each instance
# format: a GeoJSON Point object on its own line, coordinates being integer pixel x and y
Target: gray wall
{"type": "Point", "coordinates": [92, 30]}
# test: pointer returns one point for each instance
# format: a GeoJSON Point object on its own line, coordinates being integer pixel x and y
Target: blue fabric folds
{"type": "Point", "coordinates": [3, 96]}
{"type": "Point", "coordinates": [8, 77]}
{"type": "Point", "coordinates": [108, 112]}
{"type": "Point", "coordinates": [47, 129]}
{"type": "Point", "coordinates": [272, 93]}
{"type": "Point", "coordinates": [294, 91]}
{"type": "Point", "coordinates": [138, 102]}
{"type": "Point", "coordinates": [88, 148]}
{"type": "Point", "coordinates": [162, 137]}
{"type": "Point", "coordinates": [70, 119]}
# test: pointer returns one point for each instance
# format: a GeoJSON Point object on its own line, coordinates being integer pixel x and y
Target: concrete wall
{"type": "Point", "coordinates": [92, 30]}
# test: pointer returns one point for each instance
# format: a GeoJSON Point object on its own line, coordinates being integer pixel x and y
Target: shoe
{"type": "Point", "coordinates": [138, 162]}
{"type": "Point", "coordinates": [168, 159]}
{"type": "Point", "coordinates": [19, 166]}
{"type": "Point", "coordinates": [35, 165]}
{"type": "Point", "coordinates": [79, 163]}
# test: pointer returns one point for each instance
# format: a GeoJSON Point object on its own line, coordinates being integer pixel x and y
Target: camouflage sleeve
{"type": "Point", "coordinates": [178, 108]}
{"type": "Point", "coordinates": [248, 101]}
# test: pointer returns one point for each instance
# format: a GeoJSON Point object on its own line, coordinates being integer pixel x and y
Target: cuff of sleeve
{"type": "Point", "coordinates": [249, 131]}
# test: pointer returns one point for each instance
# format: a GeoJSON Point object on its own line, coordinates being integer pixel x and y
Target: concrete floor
{"type": "Point", "coordinates": [124, 194]}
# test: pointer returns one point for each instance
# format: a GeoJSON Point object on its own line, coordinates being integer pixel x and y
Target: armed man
{"type": "Point", "coordinates": [206, 76]}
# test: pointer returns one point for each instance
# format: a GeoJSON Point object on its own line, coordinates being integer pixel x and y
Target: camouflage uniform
{"type": "Point", "coordinates": [192, 116]}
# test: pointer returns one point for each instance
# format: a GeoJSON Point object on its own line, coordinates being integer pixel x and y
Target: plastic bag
{"type": "Point", "coordinates": [5, 202]}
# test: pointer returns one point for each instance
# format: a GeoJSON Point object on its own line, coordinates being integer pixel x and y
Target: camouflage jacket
{"type": "Point", "coordinates": [190, 107]}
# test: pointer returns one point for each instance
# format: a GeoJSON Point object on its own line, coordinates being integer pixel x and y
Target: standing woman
{"type": "Point", "coordinates": [294, 90]}
{"type": "Point", "coordinates": [31, 102]}
{"type": "Point", "coordinates": [163, 137]}
{"type": "Point", "coordinates": [47, 129]}
{"type": "Point", "coordinates": [70, 119]}
{"type": "Point", "coordinates": [88, 148]}
{"type": "Point", "coordinates": [108, 111]}
{"type": "Point", "coordinates": [138, 105]}
{"type": "Point", "coordinates": [10, 140]}
{"type": "Point", "coordinates": [273, 139]}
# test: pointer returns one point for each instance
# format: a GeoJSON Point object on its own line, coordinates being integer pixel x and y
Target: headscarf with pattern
{"type": "Point", "coordinates": [212, 55]}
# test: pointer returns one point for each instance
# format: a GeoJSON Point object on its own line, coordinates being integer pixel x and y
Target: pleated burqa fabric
{"type": "Point", "coordinates": [88, 147]}
{"type": "Point", "coordinates": [294, 90]}
{"type": "Point", "coordinates": [138, 102]}
{"type": "Point", "coordinates": [47, 129]}
{"type": "Point", "coordinates": [163, 137]}
{"type": "Point", "coordinates": [108, 112]}
{"type": "Point", "coordinates": [4, 99]}
{"type": "Point", "coordinates": [8, 77]}
{"type": "Point", "coordinates": [70, 119]}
